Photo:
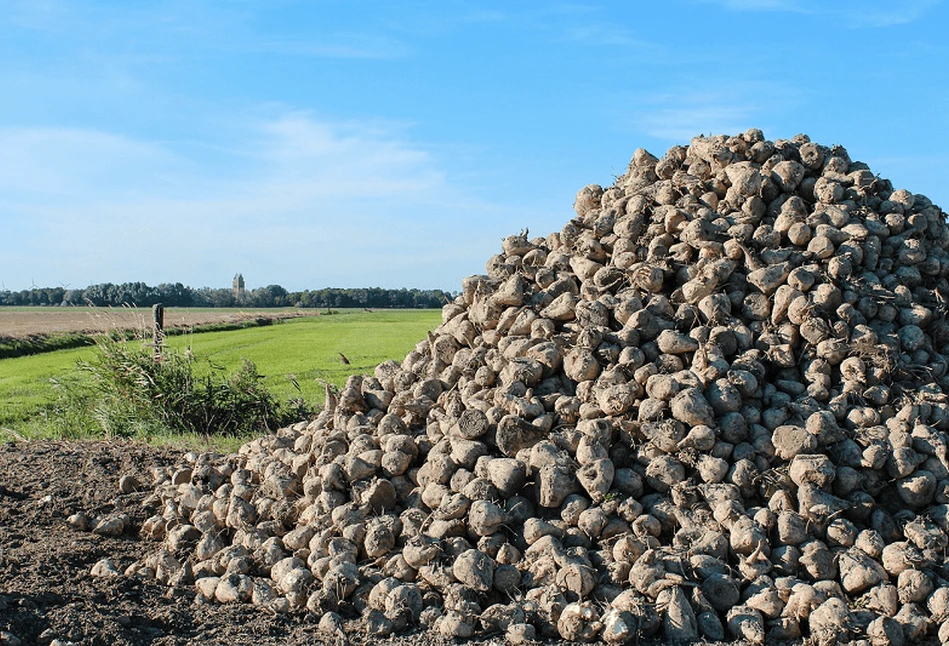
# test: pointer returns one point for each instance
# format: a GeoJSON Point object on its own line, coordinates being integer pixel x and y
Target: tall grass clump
{"type": "Point", "coordinates": [125, 392]}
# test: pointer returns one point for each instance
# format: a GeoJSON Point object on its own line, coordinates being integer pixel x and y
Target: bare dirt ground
{"type": "Point", "coordinates": [20, 322]}
{"type": "Point", "coordinates": [47, 593]}
{"type": "Point", "coordinates": [48, 596]}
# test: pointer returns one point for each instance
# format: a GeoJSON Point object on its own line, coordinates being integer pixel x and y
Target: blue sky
{"type": "Point", "coordinates": [362, 143]}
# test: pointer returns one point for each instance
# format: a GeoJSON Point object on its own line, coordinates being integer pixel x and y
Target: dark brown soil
{"type": "Point", "coordinates": [47, 592]}
{"type": "Point", "coordinates": [17, 322]}
{"type": "Point", "coordinates": [48, 596]}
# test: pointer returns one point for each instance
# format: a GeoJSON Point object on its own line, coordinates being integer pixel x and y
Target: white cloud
{"type": "Point", "coordinates": [301, 202]}
{"type": "Point", "coordinates": [853, 13]}
{"type": "Point", "coordinates": [354, 160]}
{"type": "Point", "coordinates": [345, 45]}
{"type": "Point", "coordinates": [479, 15]}
{"type": "Point", "coordinates": [600, 33]}
{"type": "Point", "coordinates": [683, 122]}
{"type": "Point", "coordinates": [757, 5]}
{"type": "Point", "coordinates": [889, 14]}
{"type": "Point", "coordinates": [728, 108]}
{"type": "Point", "coordinates": [33, 13]}
{"type": "Point", "coordinates": [62, 164]}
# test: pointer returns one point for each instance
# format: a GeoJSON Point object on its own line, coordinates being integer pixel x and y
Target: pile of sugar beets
{"type": "Point", "coordinates": [713, 406]}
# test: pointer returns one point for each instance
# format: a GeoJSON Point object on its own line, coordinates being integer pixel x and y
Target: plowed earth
{"type": "Point", "coordinates": [16, 322]}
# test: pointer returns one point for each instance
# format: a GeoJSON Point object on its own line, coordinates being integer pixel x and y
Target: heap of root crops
{"type": "Point", "coordinates": [712, 406]}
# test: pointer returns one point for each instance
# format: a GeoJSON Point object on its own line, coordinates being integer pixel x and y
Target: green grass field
{"type": "Point", "coordinates": [308, 349]}
{"type": "Point", "coordinates": [26, 383]}
{"type": "Point", "coordinates": [304, 351]}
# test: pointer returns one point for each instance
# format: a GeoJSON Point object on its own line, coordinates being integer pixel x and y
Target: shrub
{"type": "Point", "coordinates": [126, 393]}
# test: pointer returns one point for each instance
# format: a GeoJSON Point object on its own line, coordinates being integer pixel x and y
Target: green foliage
{"type": "Point", "coordinates": [31, 385]}
{"type": "Point", "coordinates": [45, 396]}
{"type": "Point", "coordinates": [127, 393]}
{"type": "Point", "coordinates": [68, 414]}
{"type": "Point", "coordinates": [36, 343]}
{"type": "Point", "coordinates": [177, 295]}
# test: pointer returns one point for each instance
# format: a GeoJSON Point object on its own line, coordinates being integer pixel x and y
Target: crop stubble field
{"type": "Point", "coordinates": [27, 321]}
{"type": "Point", "coordinates": [296, 356]}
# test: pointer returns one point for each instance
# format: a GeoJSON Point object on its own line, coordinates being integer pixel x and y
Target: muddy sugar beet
{"type": "Point", "coordinates": [712, 406]}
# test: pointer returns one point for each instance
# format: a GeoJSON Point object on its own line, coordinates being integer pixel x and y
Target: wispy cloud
{"type": "Point", "coordinates": [484, 15]}
{"type": "Point", "coordinates": [681, 124]}
{"type": "Point", "coordinates": [600, 33]}
{"type": "Point", "coordinates": [302, 199]}
{"type": "Point", "coordinates": [853, 13]}
{"type": "Point", "coordinates": [338, 158]}
{"type": "Point", "coordinates": [757, 5]}
{"type": "Point", "coordinates": [32, 13]}
{"type": "Point", "coordinates": [732, 108]}
{"type": "Point", "coordinates": [589, 25]}
{"type": "Point", "coordinates": [345, 45]}
{"type": "Point", "coordinates": [62, 164]}
{"type": "Point", "coordinates": [889, 14]}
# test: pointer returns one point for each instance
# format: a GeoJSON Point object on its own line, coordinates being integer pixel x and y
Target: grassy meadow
{"type": "Point", "coordinates": [295, 357]}
{"type": "Point", "coordinates": [307, 350]}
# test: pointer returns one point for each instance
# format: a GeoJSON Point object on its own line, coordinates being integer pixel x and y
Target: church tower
{"type": "Point", "coordinates": [238, 286]}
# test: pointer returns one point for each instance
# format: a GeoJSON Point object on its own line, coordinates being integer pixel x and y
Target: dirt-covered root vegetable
{"type": "Point", "coordinates": [507, 474]}
{"type": "Point", "coordinates": [859, 571]}
{"type": "Point", "coordinates": [710, 625]}
{"type": "Point", "coordinates": [918, 489]}
{"type": "Point", "coordinates": [767, 600]}
{"type": "Point", "coordinates": [713, 405]}
{"type": "Point", "coordinates": [234, 588]}
{"type": "Point", "coordinates": [520, 633]}
{"type": "Point", "coordinates": [474, 568]}
{"type": "Point", "coordinates": [691, 407]}
{"type": "Point", "coordinates": [111, 524]}
{"type": "Point", "coordinates": [579, 622]}
{"type": "Point", "coordinates": [938, 604]}
{"type": "Point", "coordinates": [916, 624]}
{"type": "Point", "coordinates": [471, 425]}
{"type": "Point", "coordinates": [746, 623]}
{"type": "Point", "coordinates": [619, 626]}
{"type": "Point", "coordinates": [943, 634]}
{"type": "Point", "coordinates": [831, 622]}
{"type": "Point", "coordinates": [105, 568]}
{"type": "Point", "coordinates": [722, 591]}
{"type": "Point", "coordinates": [597, 478]}
{"type": "Point", "coordinates": [679, 623]}
{"type": "Point", "coordinates": [914, 586]}
{"type": "Point", "coordinates": [885, 631]}
{"type": "Point", "coordinates": [456, 624]}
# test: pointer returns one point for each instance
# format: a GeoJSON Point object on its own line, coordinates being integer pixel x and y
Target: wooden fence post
{"type": "Point", "coordinates": [158, 328]}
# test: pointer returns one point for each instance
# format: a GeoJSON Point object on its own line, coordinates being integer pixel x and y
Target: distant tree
{"type": "Point", "coordinates": [269, 296]}
{"type": "Point", "coordinates": [178, 295]}
{"type": "Point", "coordinates": [174, 295]}
{"type": "Point", "coordinates": [55, 296]}
{"type": "Point", "coordinates": [213, 297]}
{"type": "Point", "coordinates": [73, 297]}
{"type": "Point", "coordinates": [97, 294]}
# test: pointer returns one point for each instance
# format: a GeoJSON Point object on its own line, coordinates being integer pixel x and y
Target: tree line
{"type": "Point", "coordinates": [177, 295]}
